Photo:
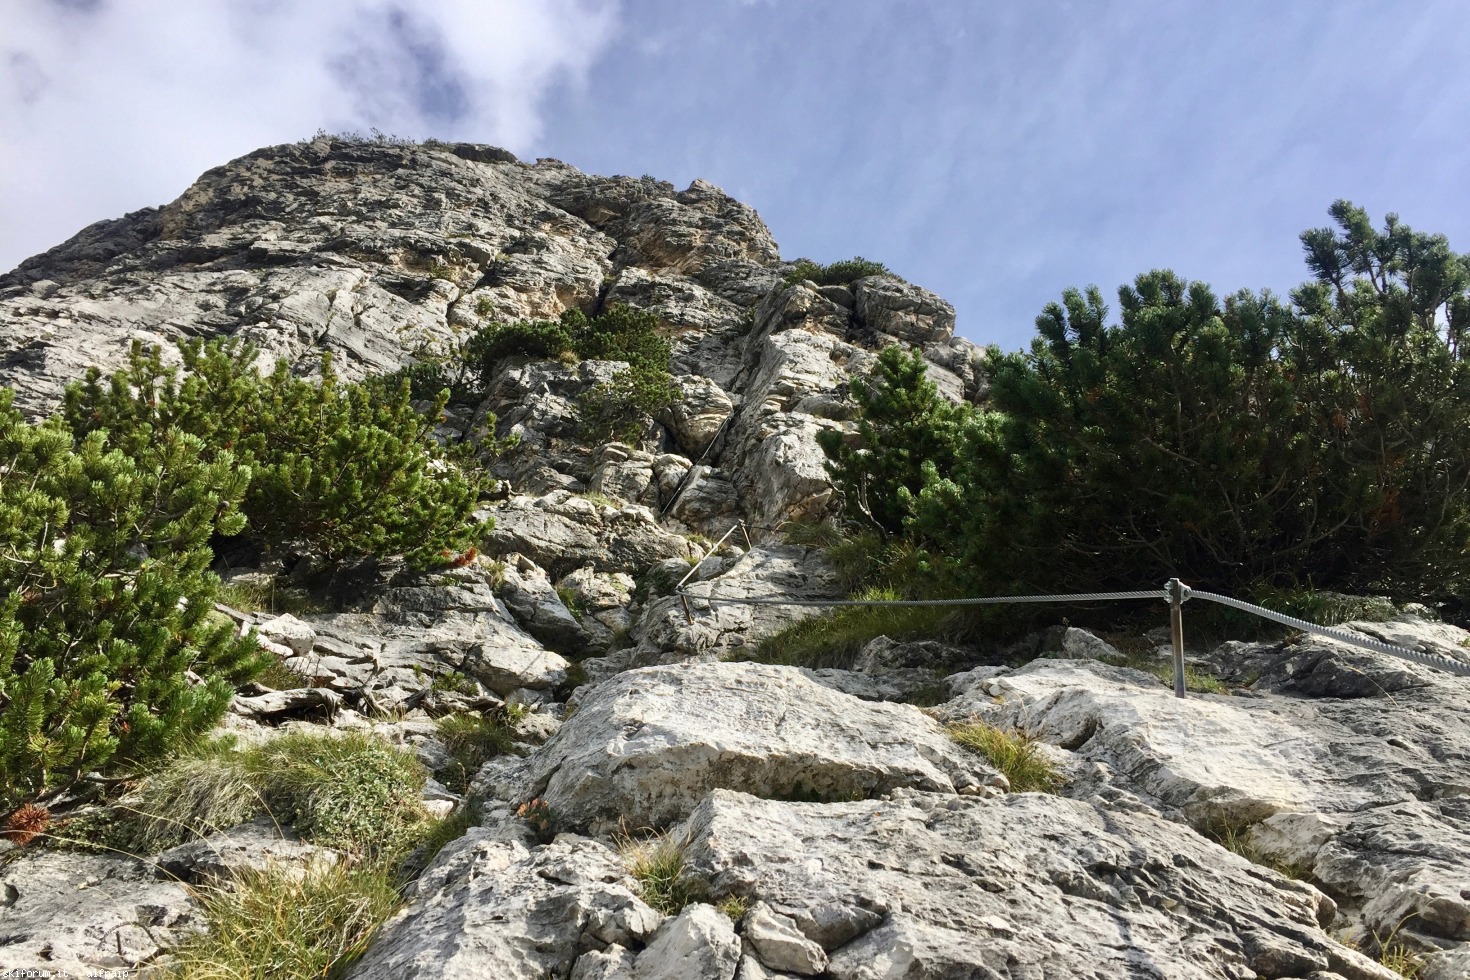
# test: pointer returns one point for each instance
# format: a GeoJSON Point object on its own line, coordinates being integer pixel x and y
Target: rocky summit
{"type": "Point", "coordinates": [664, 806]}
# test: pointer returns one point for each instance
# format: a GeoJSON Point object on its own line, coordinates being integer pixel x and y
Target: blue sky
{"type": "Point", "coordinates": [995, 152]}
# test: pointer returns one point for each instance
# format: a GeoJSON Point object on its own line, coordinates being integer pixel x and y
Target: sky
{"type": "Point", "coordinates": [994, 151]}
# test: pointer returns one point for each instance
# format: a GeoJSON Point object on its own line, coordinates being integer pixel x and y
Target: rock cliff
{"type": "Point", "coordinates": [837, 824]}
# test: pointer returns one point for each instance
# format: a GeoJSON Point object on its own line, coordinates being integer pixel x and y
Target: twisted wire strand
{"type": "Point", "coordinates": [1342, 636]}
{"type": "Point", "coordinates": [987, 601]}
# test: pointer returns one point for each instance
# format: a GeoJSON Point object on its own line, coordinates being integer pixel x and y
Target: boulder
{"type": "Point", "coordinates": [491, 908]}
{"type": "Point", "coordinates": [888, 305]}
{"type": "Point", "coordinates": [779, 944]}
{"type": "Point", "coordinates": [925, 885]}
{"type": "Point", "coordinates": [531, 597]}
{"type": "Point", "coordinates": [645, 746]}
{"type": "Point", "coordinates": [562, 532]}
{"type": "Point", "coordinates": [68, 914]}
{"type": "Point", "coordinates": [254, 846]}
{"type": "Point", "coordinates": [698, 942]}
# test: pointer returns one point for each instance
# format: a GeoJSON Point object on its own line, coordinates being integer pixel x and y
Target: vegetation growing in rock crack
{"type": "Point", "coordinates": [1014, 754]}
{"type": "Point", "coordinates": [280, 923]}
{"type": "Point", "coordinates": [657, 864]}
{"type": "Point", "coordinates": [470, 740]}
{"type": "Point", "coordinates": [616, 409]}
{"type": "Point", "coordinates": [836, 274]}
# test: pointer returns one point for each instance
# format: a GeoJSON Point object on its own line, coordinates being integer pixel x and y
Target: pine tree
{"type": "Point", "coordinates": [903, 424]}
{"type": "Point", "coordinates": [104, 565]}
{"type": "Point", "coordinates": [343, 470]}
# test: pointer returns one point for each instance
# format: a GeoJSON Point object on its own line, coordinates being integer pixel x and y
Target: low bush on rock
{"type": "Point", "coordinates": [838, 273]}
{"type": "Point", "coordinates": [334, 467]}
{"type": "Point", "coordinates": [109, 652]}
{"type": "Point", "coordinates": [1238, 443]}
{"type": "Point", "coordinates": [617, 409]}
{"type": "Point", "coordinates": [1014, 754]}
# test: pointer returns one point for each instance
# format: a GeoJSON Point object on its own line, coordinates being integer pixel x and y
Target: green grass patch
{"type": "Point", "coordinates": [280, 925]}
{"type": "Point", "coordinates": [280, 677]}
{"type": "Point", "coordinates": [657, 863]}
{"type": "Point", "coordinates": [471, 740]}
{"type": "Point", "coordinates": [448, 830]}
{"type": "Point", "coordinates": [1014, 754]}
{"type": "Point", "coordinates": [355, 793]}
{"type": "Point", "coordinates": [1325, 608]}
{"type": "Point", "coordinates": [734, 907]}
{"type": "Point", "coordinates": [835, 640]}
{"type": "Point", "coordinates": [270, 597]}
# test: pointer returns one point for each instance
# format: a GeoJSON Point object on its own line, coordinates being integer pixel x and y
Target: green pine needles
{"type": "Point", "coordinates": [108, 597]}
{"type": "Point", "coordinates": [338, 469]}
{"type": "Point", "coordinates": [1241, 443]}
{"type": "Point", "coordinates": [110, 653]}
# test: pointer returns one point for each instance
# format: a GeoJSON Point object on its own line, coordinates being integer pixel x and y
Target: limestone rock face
{"type": "Point", "coordinates": [646, 746]}
{"type": "Point", "coordinates": [67, 914]}
{"type": "Point", "coordinates": [1344, 765]}
{"type": "Point", "coordinates": [870, 845]}
{"type": "Point", "coordinates": [490, 908]}
{"type": "Point", "coordinates": [562, 532]}
{"type": "Point", "coordinates": [926, 885]}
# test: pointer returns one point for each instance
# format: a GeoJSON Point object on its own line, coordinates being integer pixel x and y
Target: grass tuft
{"type": "Point", "coordinates": [284, 926]}
{"type": "Point", "coordinates": [448, 830]}
{"type": "Point", "coordinates": [1014, 754]}
{"type": "Point", "coordinates": [471, 740]}
{"type": "Point", "coordinates": [735, 907]}
{"type": "Point", "coordinates": [836, 640]}
{"type": "Point", "coordinates": [658, 865]}
{"type": "Point", "coordinates": [355, 793]}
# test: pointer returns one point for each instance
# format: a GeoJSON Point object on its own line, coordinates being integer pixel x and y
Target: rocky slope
{"type": "Point", "coordinates": [859, 840]}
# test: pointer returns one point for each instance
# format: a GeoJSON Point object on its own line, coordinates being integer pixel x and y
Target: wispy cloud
{"type": "Point", "coordinates": [109, 104]}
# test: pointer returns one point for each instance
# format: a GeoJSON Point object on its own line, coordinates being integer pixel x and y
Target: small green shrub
{"type": "Point", "coordinates": [836, 274]}
{"type": "Point", "coordinates": [657, 864]}
{"type": "Point", "coordinates": [572, 601]}
{"type": "Point", "coordinates": [272, 597]}
{"type": "Point", "coordinates": [471, 741]}
{"type": "Point", "coordinates": [280, 925]}
{"type": "Point", "coordinates": [332, 466]}
{"type": "Point", "coordinates": [106, 599]}
{"type": "Point", "coordinates": [493, 344]}
{"type": "Point", "coordinates": [1014, 754]}
{"type": "Point", "coordinates": [355, 792]}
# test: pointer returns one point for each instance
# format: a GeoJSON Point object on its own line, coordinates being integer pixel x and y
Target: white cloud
{"type": "Point", "coordinates": [111, 105]}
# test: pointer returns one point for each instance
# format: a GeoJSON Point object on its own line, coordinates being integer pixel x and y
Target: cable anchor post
{"type": "Point", "coordinates": [1177, 592]}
